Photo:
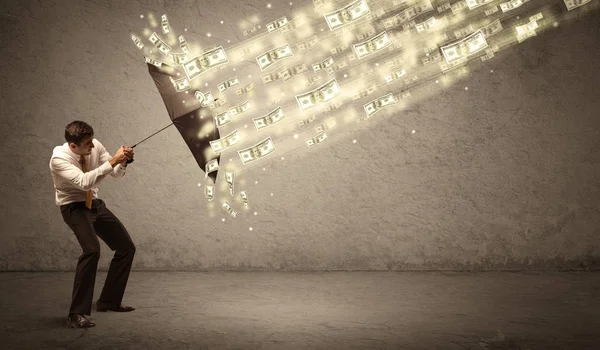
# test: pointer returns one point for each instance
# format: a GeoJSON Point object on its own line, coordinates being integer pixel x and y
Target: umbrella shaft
{"type": "Point", "coordinates": [152, 135]}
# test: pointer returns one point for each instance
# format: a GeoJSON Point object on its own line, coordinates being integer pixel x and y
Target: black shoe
{"type": "Point", "coordinates": [79, 321]}
{"type": "Point", "coordinates": [121, 308]}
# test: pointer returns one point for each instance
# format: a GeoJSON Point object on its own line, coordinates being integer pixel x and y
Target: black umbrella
{"type": "Point", "coordinates": [194, 122]}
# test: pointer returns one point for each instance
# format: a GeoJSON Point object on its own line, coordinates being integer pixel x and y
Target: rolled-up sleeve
{"type": "Point", "coordinates": [119, 170]}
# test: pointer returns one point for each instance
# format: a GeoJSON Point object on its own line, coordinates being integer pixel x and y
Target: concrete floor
{"type": "Point", "coordinates": [326, 310]}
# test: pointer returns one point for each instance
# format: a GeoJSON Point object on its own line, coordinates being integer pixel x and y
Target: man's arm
{"type": "Point", "coordinates": [81, 180]}
{"type": "Point", "coordinates": [118, 169]}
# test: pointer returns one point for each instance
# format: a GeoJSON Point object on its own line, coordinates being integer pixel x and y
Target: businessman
{"type": "Point", "coordinates": [77, 167]}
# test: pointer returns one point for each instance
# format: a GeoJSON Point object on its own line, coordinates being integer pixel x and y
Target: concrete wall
{"type": "Point", "coordinates": [504, 175]}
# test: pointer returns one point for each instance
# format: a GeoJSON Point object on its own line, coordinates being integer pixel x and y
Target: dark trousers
{"type": "Point", "coordinates": [87, 224]}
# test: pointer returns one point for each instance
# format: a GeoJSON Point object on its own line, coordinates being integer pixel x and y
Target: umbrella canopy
{"type": "Point", "coordinates": [194, 122]}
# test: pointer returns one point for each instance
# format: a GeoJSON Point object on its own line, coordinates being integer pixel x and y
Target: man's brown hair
{"type": "Point", "coordinates": [77, 131]}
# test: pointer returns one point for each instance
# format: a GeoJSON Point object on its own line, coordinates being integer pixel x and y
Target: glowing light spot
{"type": "Point", "coordinates": [271, 194]}
{"type": "Point", "coordinates": [290, 4]}
{"type": "Point", "coordinates": [222, 22]}
{"type": "Point", "coordinates": [141, 16]}
{"type": "Point", "coordinates": [264, 169]}
{"type": "Point", "coordinates": [205, 84]}
{"type": "Point", "coordinates": [223, 219]}
{"type": "Point", "coordinates": [466, 88]}
{"type": "Point", "coordinates": [282, 158]}
{"type": "Point", "coordinates": [255, 182]}
{"type": "Point", "coordinates": [177, 74]}
{"type": "Point", "coordinates": [555, 24]}
{"type": "Point", "coordinates": [255, 213]}
{"type": "Point", "coordinates": [185, 29]}
{"type": "Point", "coordinates": [234, 69]}
{"type": "Point", "coordinates": [492, 71]}
{"type": "Point", "coordinates": [230, 159]}
{"type": "Point", "coordinates": [249, 75]}
{"type": "Point", "coordinates": [268, 5]}
{"type": "Point", "coordinates": [246, 126]}
{"type": "Point", "coordinates": [208, 35]}
{"type": "Point", "coordinates": [228, 41]}
{"type": "Point", "coordinates": [353, 141]}
{"type": "Point", "coordinates": [199, 184]}
{"type": "Point", "coordinates": [413, 131]}
{"type": "Point", "coordinates": [376, 64]}
{"type": "Point", "coordinates": [295, 136]}
{"type": "Point", "coordinates": [250, 228]}
{"type": "Point", "coordinates": [437, 81]}
{"type": "Point", "coordinates": [345, 75]}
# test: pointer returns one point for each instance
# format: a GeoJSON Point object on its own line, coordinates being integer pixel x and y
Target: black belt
{"type": "Point", "coordinates": [79, 204]}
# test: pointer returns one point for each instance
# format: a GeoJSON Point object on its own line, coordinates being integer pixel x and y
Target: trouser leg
{"type": "Point", "coordinates": [110, 229]}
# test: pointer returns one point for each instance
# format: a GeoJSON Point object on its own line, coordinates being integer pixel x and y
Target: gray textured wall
{"type": "Point", "coordinates": [503, 175]}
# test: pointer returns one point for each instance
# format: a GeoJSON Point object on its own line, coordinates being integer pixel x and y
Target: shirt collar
{"type": "Point", "coordinates": [71, 153]}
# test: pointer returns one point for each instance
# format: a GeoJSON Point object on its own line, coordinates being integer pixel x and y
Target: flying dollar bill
{"type": "Point", "coordinates": [322, 65]}
{"type": "Point", "coordinates": [511, 5]}
{"type": "Point", "coordinates": [269, 77]}
{"type": "Point", "coordinates": [159, 44]}
{"type": "Point", "coordinates": [229, 209]}
{"type": "Point", "coordinates": [426, 25]}
{"type": "Point", "coordinates": [308, 120]}
{"type": "Point", "coordinates": [465, 47]}
{"type": "Point", "coordinates": [164, 23]}
{"type": "Point", "coordinates": [227, 84]}
{"type": "Point", "coordinates": [219, 145]}
{"type": "Point", "coordinates": [183, 44]}
{"type": "Point", "coordinates": [317, 139]}
{"type": "Point", "coordinates": [222, 119]}
{"type": "Point", "coordinates": [339, 49]}
{"type": "Point", "coordinates": [200, 64]}
{"type": "Point", "coordinates": [526, 31]}
{"type": "Point", "coordinates": [370, 46]}
{"type": "Point", "coordinates": [395, 75]}
{"type": "Point", "coordinates": [379, 103]}
{"type": "Point", "coordinates": [239, 109]}
{"type": "Point", "coordinates": [325, 126]}
{"type": "Point", "coordinates": [229, 179]}
{"type": "Point", "coordinates": [322, 94]}
{"type": "Point", "coordinates": [137, 42]}
{"type": "Point", "coordinates": [153, 62]}
{"type": "Point", "coordinates": [408, 14]}
{"type": "Point", "coordinates": [257, 151]}
{"type": "Point", "coordinates": [271, 57]}
{"type": "Point", "coordinates": [366, 34]}
{"type": "Point", "coordinates": [243, 90]}
{"type": "Point", "coordinates": [272, 117]}
{"type": "Point", "coordinates": [370, 89]}
{"type": "Point", "coordinates": [491, 28]}
{"type": "Point", "coordinates": [211, 165]}
{"type": "Point", "coordinates": [204, 98]}
{"type": "Point", "coordinates": [572, 4]}
{"type": "Point", "coordinates": [308, 43]}
{"type": "Point", "coordinates": [209, 192]}
{"type": "Point", "coordinates": [473, 4]}
{"type": "Point", "coordinates": [244, 198]}
{"type": "Point", "coordinates": [277, 24]}
{"type": "Point", "coordinates": [181, 84]}
{"type": "Point", "coordinates": [347, 14]}
{"type": "Point", "coordinates": [491, 11]}
{"type": "Point", "coordinates": [178, 58]}
{"type": "Point", "coordinates": [288, 73]}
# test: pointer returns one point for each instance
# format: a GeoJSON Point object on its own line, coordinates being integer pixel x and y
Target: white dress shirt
{"type": "Point", "coordinates": [70, 182]}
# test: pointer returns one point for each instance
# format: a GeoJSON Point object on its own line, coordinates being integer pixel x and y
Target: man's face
{"type": "Point", "coordinates": [85, 148]}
